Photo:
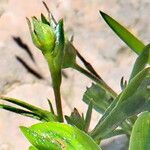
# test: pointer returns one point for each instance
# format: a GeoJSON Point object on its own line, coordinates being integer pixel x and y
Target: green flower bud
{"type": "Point", "coordinates": [43, 35]}
{"type": "Point", "coordinates": [49, 39]}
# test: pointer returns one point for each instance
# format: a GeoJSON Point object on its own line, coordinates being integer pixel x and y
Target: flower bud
{"type": "Point", "coordinates": [43, 35]}
{"type": "Point", "coordinates": [49, 39]}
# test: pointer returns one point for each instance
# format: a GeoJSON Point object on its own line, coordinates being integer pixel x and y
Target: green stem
{"type": "Point", "coordinates": [101, 82]}
{"type": "Point", "coordinates": [58, 104]}
{"type": "Point", "coordinates": [56, 76]}
{"type": "Point", "coordinates": [56, 82]}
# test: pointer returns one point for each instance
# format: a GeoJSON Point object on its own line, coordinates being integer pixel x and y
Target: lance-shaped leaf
{"type": "Point", "coordinates": [140, 137]}
{"type": "Point", "coordinates": [133, 42]}
{"type": "Point", "coordinates": [88, 117]}
{"type": "Point", "coordinates": [99, 98]}
{"type": "Point", "coordinates": [43, 114]}
{"type": "Point", "coordinates": [115, 133]}
{"type": "Point", "coordinates": [20, 111]}
{"type": "Point", "coordinates": [141, 61]}
{"type": "Point", "coordinates": [131, 101]}
{"type": "Point", "coordinates": [58, 136]}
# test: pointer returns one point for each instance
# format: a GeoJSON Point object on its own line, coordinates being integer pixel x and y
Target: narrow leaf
{"type": "Point", "coordinates": [134, 43]}
{"type": "Point", "coordinates": [32, 148]}
{"type": "Point", "coordinates": [115, 133]}
{"type": "Point", "coordinates": [88, 116]}
{"type": "Point", "coordinates": [141, 61]}
{"type": "Point", "coordinates": [140, 137]}
{"type": "Point", "coordinates": [20, 111]}
{"type": "Point", "coordinates": [44, 114]}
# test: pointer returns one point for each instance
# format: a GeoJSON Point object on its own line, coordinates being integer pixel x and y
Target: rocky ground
{"type": "Point", "coordinates": [92, 37]}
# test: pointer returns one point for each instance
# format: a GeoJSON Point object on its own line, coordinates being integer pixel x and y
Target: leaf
{"type": "Point", "coordinates": [131, 101]}
{"type": "Point", "coordinates": [99, 98]}
{"type": "Point", "coordinates": [141, 61]}
{"type": "Point", "coordinates": [69, 55]}
{"type": "Point", "coordinates": [32, 148]}
{"type": "Point", "coordinates": [20, 111]}
{"type": "Point", "coordinates": [58, 136]}
{"type": "Point", "coordinates": [76, 119]}
{"type": "Point", "coordinates": [88, 117]}
{"type": "Point", "coordinates": [43, 114]}
{"type": "Point", "coordinates": [133, 42]}
{"type": "Point", "coordinates": [115, 133]}
{"type": "Point", "coordinates": [140, 137]}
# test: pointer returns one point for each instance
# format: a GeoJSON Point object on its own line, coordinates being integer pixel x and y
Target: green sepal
{"type": "Point", "coordinates": [58, 53]}
{"type": "Point", "coordinates": [44, 20]}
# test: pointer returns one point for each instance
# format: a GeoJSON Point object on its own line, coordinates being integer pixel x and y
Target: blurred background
{"type": "Point", "coordinates": [92, 37]}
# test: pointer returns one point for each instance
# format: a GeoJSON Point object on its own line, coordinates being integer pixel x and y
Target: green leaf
{"type": "Point", "coordinates": [115, 133]}
{"type": "Point", "coordinates": [58, 136]}
{"type": "Point", "coordinates": [99, 98]}
{"type": "Point", "coordinates": [70, 55]}
{"type": "Point", "coordinates": [88, 116]}
{"type": "Point", "coordinates": [43, 114]}
{"type": "Point", "coordinates": [32, 148]}
{"type": "Point", "coordinates": [134, 43]}
{"type": "Point", "coordinates": [141, 61]}
{"type": "Point", "coordinates": [140, 137]}
{"type": "Point", "coordinates": [20, 111]}
{"type": "Point", "coordinates": [76, 119]}
{"type": "Point", "coordinates": [131, 101]}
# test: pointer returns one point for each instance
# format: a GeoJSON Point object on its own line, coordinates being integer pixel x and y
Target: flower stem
{"type": "Point", "coordinates": [56, 82]}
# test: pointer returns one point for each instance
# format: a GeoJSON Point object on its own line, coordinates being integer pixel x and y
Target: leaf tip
{"type": "Point", "coordinates": [102, 13]}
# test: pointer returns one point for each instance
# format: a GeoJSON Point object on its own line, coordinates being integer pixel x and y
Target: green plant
{"type": "Point", "coordinates": [120, 112]}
